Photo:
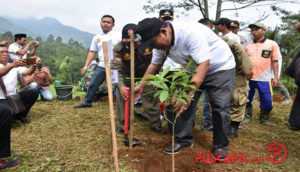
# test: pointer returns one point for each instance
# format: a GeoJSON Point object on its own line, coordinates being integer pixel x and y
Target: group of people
{"type": "Point", "coordinates": [33, 80]}
{"type": "Point", "coordinates": [228, 70]}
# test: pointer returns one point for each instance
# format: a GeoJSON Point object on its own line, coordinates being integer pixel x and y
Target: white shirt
{"type": "Point", "coordinates": [10, 80]}
{"type": "Point", "coordinates": [96, 45]}
{"type": "Point", "coordinates": [233, 36]}
{"type": "Point", "coordinates": [195, 41]}
{"type": "Point", "coordinates": [13, 48]}
{"type": "Point", "coordinates": [173, 65]}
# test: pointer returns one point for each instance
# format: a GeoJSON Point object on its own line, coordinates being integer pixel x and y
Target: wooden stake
{"type": "Point", "coordinates": [132, 89]}
{"type": "Point", "coordinates": [111, 107]}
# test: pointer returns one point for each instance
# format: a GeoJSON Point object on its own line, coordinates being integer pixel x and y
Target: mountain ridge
{"type": "Point", "coordinates": [44, 27]}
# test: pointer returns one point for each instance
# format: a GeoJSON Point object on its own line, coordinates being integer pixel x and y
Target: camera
{"type": "Point", "coordinates": [40, 66]}
{"type": "Point", "coordinates": [36, 42]}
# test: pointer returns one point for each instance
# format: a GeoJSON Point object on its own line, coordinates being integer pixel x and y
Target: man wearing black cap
{"type": "Point", "coordinates": [19, 50]}
{"type": "Point", "coordinates": [223, 25]}
{"type": "Point", "coordinates": [215, 73]}
{"type": "Point", "coordinates": [142, 61]}
{"type": "Point", "coordinates": [235, 27]}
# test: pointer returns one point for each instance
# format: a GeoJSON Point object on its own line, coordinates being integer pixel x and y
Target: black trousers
{"type": "Point", "coordinates": [219, 87]}
{"type": "Point", "coordinates": [29, 97]}
{"type": "Point", "coordinates": [294, 118]}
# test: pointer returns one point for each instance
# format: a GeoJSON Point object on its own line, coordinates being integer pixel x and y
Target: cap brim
{"type": "Point", "coordinates": [144, 45]}
{"type": "Point", "coordinates": [215, 22]}
{"type": "Point", "coordinates": [252, 25]}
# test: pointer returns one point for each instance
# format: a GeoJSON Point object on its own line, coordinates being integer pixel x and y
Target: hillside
{"type": "Point", "coordinates": [43, 28]}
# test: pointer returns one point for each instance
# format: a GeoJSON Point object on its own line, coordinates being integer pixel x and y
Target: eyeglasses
{"type": "Point", "coordinates": [3, 52]}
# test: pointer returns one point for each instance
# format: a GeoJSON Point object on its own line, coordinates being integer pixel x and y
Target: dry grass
{"type": "Point", "coordinates": [61, 138]}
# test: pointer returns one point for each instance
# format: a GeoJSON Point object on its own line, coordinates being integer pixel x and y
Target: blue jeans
{"type": "Point", "coordinates": [206, 114]}
{"type": "Point", "coordinates": [97, 79]}
{"type": "Point", "coordinates": [45, 93]}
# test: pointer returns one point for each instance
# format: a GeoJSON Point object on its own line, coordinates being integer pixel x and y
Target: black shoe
{"type": "Point", "coordinates": [159, 129]}
{"type": "Point", "coordinates": [25, 120]}
{"type": "Point", "coordinates": [82, 106]}
{"type": "Point", "coordinates": [232, 131]}
{"type": "Point", "coordinates": [220, 153]}
{"type": "Point", "coordinates": [140, 115]}
{"type": "Point", "coordinates": [120, 129]}
{"type": "Point", "coordinates": [9, 164]}
{"type": "Point", "coordinates": [177, 148]}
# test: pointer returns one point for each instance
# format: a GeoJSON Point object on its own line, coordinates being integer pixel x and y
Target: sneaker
{"type": "Point", "coordinates": [286, 101]}
{"type": "Point", "coordinates": [82, 106]}
{"type": "Point", "coordinates": [9, 164]}
{"type": "Point", "coordinates": [25, 120]}
{"type": "Point", "coordinates": [241, 126]}
{"type": "Point", "coordinates": [221, 153]}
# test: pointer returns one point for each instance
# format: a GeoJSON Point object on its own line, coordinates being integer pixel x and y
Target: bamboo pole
{"type": "Point", "coordinates": [132, 89]}
{"type": "Point", "coordinates": [111, 108]}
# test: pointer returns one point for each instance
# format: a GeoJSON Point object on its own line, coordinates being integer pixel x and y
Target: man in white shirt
{"type": "Point", "coordinates": [223, 26]}
{"type": "Point", "coordinates": [8, 74]}
{"type": "Point", "coordinates": [107, 23]}
{"type": "Point", "coordinates": [215, 73]}
{"type": "Point", "coordinates": [19, 50]}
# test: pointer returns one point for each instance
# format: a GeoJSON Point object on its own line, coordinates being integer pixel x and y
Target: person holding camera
{"type": "Point", "coordinates": [8, 82]}
{"type": "Point", "coordinates": [19, 50]}
{"type": "Point", "coordinates": [40, 80]}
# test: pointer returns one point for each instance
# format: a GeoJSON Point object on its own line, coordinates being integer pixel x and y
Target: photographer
{"type": "Point", "coordinates": [40, 80]}
{"type": "Point", "coordinates": [19, 50]}
{"type": "Point", "coordinates": [8, 75]}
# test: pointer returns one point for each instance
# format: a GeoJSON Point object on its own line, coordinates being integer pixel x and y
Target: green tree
{"type": "Point", "coordinates": [58, 39]}
{"type": "Point", "coordinates": [50, 38]}
{"type": "Point", "coordinates": [38, 38]}
{"type": "Point", "coordinates": [205, 6]}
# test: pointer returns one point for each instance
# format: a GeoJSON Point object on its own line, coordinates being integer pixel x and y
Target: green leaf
{"type": "Point", "coordinates": [181, 100]}
{"type": "Point", "coordinates": [156, 94]}
{"type": "Point", "coordinates": [164, 95]}
{"type": "Point", "coordinates": [156, 84]}
{"type": "Point", "coordinates": [153, 77]}
{"type": "Point", "coordinates": [165, 71]}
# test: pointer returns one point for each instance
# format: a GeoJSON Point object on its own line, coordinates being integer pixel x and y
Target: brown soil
{"type": "Point", "coordinates": [149, 157]}
{"type": "Point", "coordinates": [280, 97]}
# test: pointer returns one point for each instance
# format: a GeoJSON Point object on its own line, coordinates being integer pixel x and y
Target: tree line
{"type": "Point", "coordinates": [64, 60]}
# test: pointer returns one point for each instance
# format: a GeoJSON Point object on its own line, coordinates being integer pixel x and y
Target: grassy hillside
{"type": "Point", "coordinates": [61, 138]}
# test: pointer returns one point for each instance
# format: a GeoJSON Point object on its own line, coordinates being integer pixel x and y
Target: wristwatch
{"type": "Point", "coordinates": [191, 94]}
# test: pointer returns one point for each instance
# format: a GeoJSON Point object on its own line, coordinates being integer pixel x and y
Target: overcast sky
{"type": "Point", "coordinates": [85, 14]}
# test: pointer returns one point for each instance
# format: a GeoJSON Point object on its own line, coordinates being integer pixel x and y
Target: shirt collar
{"type": "Point", "coordinates": [262, 41]}
{"type": "Point", "coordinates": [108, 33]}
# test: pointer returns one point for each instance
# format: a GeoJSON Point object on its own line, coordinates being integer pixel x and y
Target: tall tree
{"type": "Point", "coordinates": [58, 39]}
{"type": "Point", "coordinates": [204, 5]}
{"type": "Point", "coordinates": [50, 38]}
{"type": "Point", "coordinates": [38, 38]}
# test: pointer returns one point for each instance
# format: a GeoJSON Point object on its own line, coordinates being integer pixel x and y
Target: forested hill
{"type": "Point", "coordinates": [43, 28]}
{"type": "Point", "coordinates": [54, 53]}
